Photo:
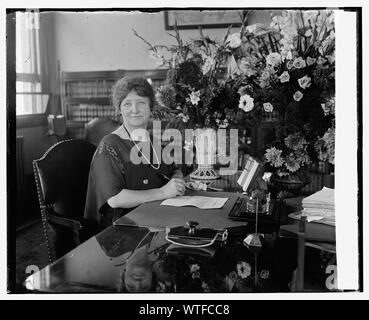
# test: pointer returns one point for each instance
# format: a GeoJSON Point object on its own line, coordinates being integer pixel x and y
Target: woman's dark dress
{"type": "Point", "coordinates": [111, 171]}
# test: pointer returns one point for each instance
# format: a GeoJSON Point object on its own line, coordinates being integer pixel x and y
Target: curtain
{"type": "Point", "coordinates": [31, 95]}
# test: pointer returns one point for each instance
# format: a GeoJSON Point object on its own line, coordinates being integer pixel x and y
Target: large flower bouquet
{"type": "Point", "coordinates": [197, 92]}
{"type": "Point", "coordinates": [287, 70]}
{"type": "Point", "coordinates": [284, 72]}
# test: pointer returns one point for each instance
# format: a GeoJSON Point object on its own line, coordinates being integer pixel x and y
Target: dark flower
{"type": "Point", "coordinates": [189, 73]}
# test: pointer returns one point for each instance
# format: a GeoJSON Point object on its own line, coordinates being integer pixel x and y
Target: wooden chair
{"type": "Point", "coordinates": [61, 176]}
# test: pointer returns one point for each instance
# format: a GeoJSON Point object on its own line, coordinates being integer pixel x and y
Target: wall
{"type": "Point", "coordinates": [88, 41]}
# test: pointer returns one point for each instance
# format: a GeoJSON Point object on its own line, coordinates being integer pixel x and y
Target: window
{"type": "Point", "coordinates": [30, 98]}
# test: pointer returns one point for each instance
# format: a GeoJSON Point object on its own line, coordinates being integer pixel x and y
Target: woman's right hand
{"type": "Point", "coordinates": [174, 187]}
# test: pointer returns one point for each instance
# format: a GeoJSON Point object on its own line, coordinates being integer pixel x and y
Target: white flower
{"type": "Point", "coordinates": [310, 16]}
{"type": "Point", "coordinates": [247, 65]}
{"type": "Point", "coordinates": [304, 82]}
{"type": "Point", "coordinates": [160, 287]}
{"type": "Point", "coordinates": [268, 107]}
{"type": "Point", "coordinates": [246, 103]}
{"type": "Point", "coordinates": [208, 64]}
{"type": "Point", "coordinates": [289, 65]}
{"type": "Point", "coordinates": [243, 269]}
{"type": "Point", "coordinates": [298, 96]}
{"type": "Point", "coordinates": [284, 77]}
{"type": "Point", "coordinates": [274, 59]}
{"type": "Point", "coordinates": [264, 274]}
{"type": "Point", "coordinates": [321, 60]}
{"type": "Point", "coordinates": [194, 267]}
{"type": "Point", "coordinates": [274, 156]}
{"type": "Point", "coordinates": [234, 40]}
{"type": "Point", "coordinates": [299, 63]}
{"type": "Point", "coordinates": [325, 109]}
{"type": "Point", "coordinates": [185, 118]}
{"type": "Point", "coordinates": [266, 176]}
{"type": "Point", "coordinates": [310, 61]}
{"type": "Point", "coordinates": [257, 29]}
{"type": "Point", "coordinates": [224, 124]}
{"type": "Point", "coordinates": [289, 55]}
{"type": "Point", "coordinates": [328, 107]}
{"type": "Point", "coordinates": [330, 22]}
{"type": "Point", "coordinates": [195, 97]}
{"type": "Point", "coordinates": [267, 75]}
{"type": "Point", "coordinates": [308, 33]}
{"type": "Point", "coordinates": [330, 58]}
{"type": "Point", "coordinates": [205, 287]}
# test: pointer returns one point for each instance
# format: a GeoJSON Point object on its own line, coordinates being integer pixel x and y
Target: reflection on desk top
{"type": "Point", "coordinates": [313, 231]}
{"type": "Point", "coordinates": [95, 265]}
{"type": "Point", "coordinates": [134, 259]}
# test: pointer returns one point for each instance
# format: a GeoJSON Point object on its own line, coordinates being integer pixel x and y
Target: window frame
{"type": "Point", "coordinates": [40, 63]}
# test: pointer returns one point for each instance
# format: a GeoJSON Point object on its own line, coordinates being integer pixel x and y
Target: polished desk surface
{"type": "Point", "coordinates": [101, 265]}
{"type": "Point", "coordinates": [140, 259]}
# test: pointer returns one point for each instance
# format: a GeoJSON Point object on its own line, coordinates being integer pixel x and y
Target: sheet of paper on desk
{"type": "Point", "coordinates": [196, 201]}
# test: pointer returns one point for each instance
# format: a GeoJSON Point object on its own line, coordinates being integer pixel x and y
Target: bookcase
{"type": "Point", "coordinates": [87, 95]}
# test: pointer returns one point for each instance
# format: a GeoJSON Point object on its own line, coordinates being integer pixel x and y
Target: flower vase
{"type": "Point", "coordinates": [291, 183]}
{"type": "Point", "coordinates": [206, 146]}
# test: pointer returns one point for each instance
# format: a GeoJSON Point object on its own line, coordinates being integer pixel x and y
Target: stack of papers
{"type": "Point", "coordinates": [196, 201]}
{"type": "Point", "coordinates": [319, 206]}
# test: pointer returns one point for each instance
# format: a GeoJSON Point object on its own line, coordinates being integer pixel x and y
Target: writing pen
{"type": "Point", "coordinates": [208, 186]}
{"type": "Point", "coordinates": [165, 176]}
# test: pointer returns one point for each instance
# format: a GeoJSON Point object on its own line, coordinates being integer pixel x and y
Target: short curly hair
{"type": "Point", "coordinates": [125, 85]}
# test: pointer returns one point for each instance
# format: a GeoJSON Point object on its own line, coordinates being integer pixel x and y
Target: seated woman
{"type": "Point", "coordinates": [116, 183]}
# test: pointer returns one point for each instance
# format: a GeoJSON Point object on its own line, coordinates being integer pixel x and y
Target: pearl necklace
{"type": "Point", "coordinates": [146, 181]}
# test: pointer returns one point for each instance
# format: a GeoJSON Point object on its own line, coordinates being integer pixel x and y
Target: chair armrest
{"type": "Point", "coordinates": [62, 221]}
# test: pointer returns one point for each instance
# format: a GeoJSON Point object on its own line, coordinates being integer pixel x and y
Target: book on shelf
{"type": "Point", "coordinates": [89, 89]}
{"type": "Point", "coordinates": [87, 112]}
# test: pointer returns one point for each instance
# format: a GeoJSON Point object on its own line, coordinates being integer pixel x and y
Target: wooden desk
{"type": "Point", "coordinates": [98, 265]}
